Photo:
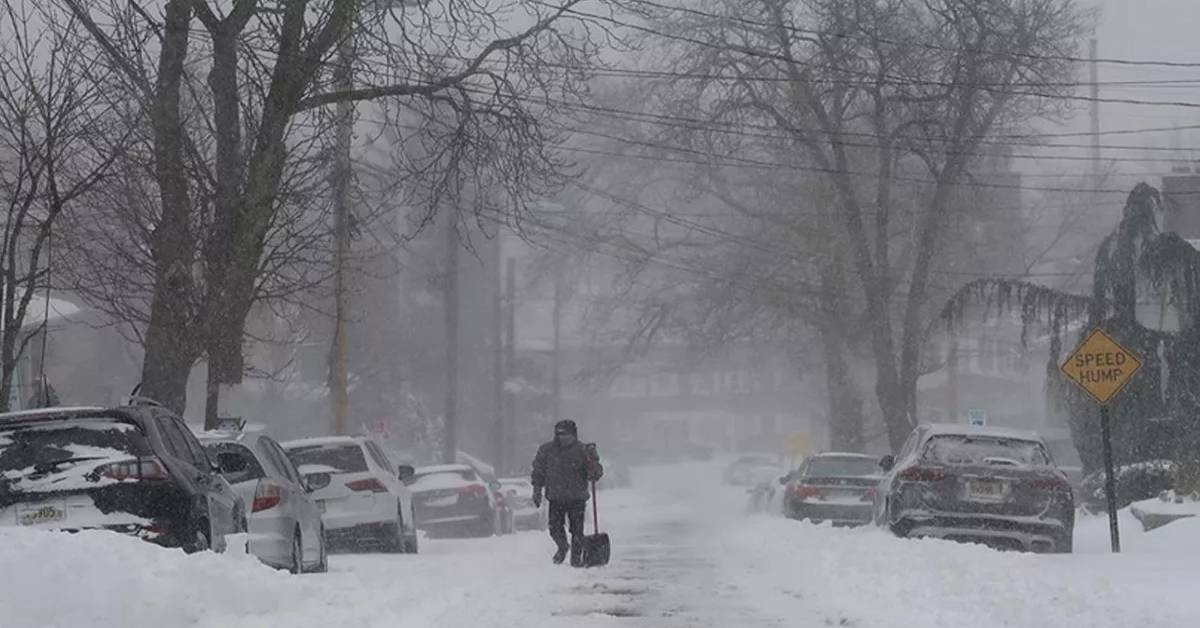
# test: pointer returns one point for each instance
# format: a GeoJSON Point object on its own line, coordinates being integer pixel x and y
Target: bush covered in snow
{"type": "Point", "coordinates": [1135, 482]}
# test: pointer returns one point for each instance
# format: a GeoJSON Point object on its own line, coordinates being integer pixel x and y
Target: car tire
{"type": "Point", "coordinates": [411, 543]}
{"type": "Point", "coordinates": [486, 526]}
{"type": "Point", "coordinates": [297, 566]}
{"type": "Point", "coordinates": [323, 564]}
{"type": "Point", "coordinates": [200, 539]}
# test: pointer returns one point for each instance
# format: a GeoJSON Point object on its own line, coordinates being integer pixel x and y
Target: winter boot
{"type": "Point", "coordinates": [576, 552]}
{"type": "Point", "coordinates": [561, 554]}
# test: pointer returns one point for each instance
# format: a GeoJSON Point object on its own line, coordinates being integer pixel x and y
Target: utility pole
{"type": "Point", "coordinates": [339, 353]}
{"type": "Point", "coordinates": [450, 298]}
{"type": "Point", "coordinates": [508, 429]}
{"type": "Point", "coordinates": [1094, 76]}
{"type": "Point", "coordinates": [499, 372]}
{"type": "Point", "coordinates": [556, 359]}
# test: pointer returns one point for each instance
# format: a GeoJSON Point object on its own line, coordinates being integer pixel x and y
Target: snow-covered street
{"type": "Point", "coordinates": [685, 554]}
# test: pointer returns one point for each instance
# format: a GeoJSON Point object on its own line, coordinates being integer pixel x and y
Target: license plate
{"type": "Point", "coordinates": [34, 514]}
{"type": "Point", "coordinates": [987, 490]}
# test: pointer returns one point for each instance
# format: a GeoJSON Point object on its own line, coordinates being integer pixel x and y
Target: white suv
{"type": "Point", "coordinates": [363, 501]}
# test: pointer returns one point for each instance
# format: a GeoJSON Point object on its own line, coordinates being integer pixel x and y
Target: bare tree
{"type": "Point", "coordinates": [880, 97]}
{"type": "Point", "coordinates": [58, 140]}
{"type": "Point", "coordinates": [269, 74]}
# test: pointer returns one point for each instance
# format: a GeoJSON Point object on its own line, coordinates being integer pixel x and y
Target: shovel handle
{"type": "Point", "coordinates": [595, 513]}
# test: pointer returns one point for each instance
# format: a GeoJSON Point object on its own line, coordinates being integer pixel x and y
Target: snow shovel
{"type": "Point", "coordinates": [596, 546]}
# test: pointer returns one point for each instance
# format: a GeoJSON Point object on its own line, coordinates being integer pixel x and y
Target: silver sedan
{"type": "Point", "coordinates": [285, 523]}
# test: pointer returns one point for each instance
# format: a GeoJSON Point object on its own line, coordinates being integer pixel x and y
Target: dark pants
{"type": "Point", "coordinates": [570, 513]}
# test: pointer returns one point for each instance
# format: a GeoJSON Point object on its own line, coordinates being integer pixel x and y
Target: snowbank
{"type": "Point", "coordinates": [865, 577]}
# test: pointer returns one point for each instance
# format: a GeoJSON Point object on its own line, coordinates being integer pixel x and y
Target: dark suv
{"type": "Point", "coordinates": [987, 485]}
{"type": "Point", "coordinates": [137, 470]}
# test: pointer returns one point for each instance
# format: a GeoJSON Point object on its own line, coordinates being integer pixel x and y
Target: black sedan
{"type": "Point", "coordinates": [835, 487]}
{"type": "Point", "coordinates": [986, 485]}
{"type": "Point", "coordinates": [137, 470]}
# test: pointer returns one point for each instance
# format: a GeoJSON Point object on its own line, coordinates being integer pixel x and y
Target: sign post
{"type": "Point", "coordinates": [1102, 367]}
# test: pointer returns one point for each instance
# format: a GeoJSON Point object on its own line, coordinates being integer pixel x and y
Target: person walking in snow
{"type": "Point", "coordinates": [562, 471]}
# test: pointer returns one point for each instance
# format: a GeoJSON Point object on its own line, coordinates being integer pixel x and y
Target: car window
{"type": "Point", "coordinates": [62, 448]}
{"type": "Point", "coordinates": [378, 456]}
{"type": "Point", "coordinates": [984, 450]}
{"type": "Point", "coordinates": [347, 458]}
{"type": "Point", "coordinates": [279, 458]}
{"type": "Point", "coordinates": [264, 451]}
{"type": "Point", "coordinates": [174, 440]}
{"type": "Point", "coordinates": [253, 469]}
{"type": "Point", "coordinates": [842, 466]}
{"type": "Point", "coordinates": [194, 446]}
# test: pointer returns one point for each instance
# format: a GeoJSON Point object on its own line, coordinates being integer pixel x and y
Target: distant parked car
{"type": "Point", "coordinates": [741, 472]}
{"type": "Point", "coordinates": [364, 502]}
{"type": "Point", "coordinates": [834, 487]}
{"type": "Point", "coordinates": [138, 470]}
{"type": "Point", "coordinates": [454, 499]}
{"type": "Point", "coordinates": [985, 485]}
{"type": "Point", "coordinates": [284, 521]}
{"type": "Point", "coordinates": [518, 492]}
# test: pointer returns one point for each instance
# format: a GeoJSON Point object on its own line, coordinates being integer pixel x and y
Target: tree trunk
{"type": "Point", "coordinates": [170, 345]}
{"type": "Point", "coordinates": [845, 406]}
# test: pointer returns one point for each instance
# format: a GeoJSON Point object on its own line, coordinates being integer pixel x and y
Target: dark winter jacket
{"type": "Point", "coordinates": [565, 471]}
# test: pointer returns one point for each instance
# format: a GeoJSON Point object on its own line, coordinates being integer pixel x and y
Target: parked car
{"type": "Point", "coordinates": [454, 499]}
{"type": "Point", "coordinates": [979, 484]}
{"type": "Point", "coordinates": [138, 470]}
{"type": "Point", "coordinates": [741, 472]}
{"type": "Point", "coordinates": [284, 521]}
{"type": "Point", "coordinates": [764, 488]}
{"type": "Point", "coordinates": [361, 494]}
{"type": "Point", "coordinates": [518, 492]}
{"type": "Point", "coordinates": [487, 473]}
{"type": "Point", "coordinates": [834, 487]}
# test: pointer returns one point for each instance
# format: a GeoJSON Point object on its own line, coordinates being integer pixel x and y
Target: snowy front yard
{"type": "Point", "coordinates": [685, 554]}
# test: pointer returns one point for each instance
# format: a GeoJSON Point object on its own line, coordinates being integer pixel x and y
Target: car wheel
{"type": "Point", "coordinates": [200, 541]}
{"type": "Point", "coordinates": [487, 525]}
{"type": "Point", "coordinates": [297, 566]}
{"type": "Point", "coordinates": [411, 543]}
{"type": "Point", "coordinates": [323, 564]}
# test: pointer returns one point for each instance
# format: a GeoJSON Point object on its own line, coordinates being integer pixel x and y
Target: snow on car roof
{"type": "Point", "coordinates": [844, 454]}
{"type": "Point", "coordinates": [64, 411]}
{"type": "Point", "coordinates": [321, 441]}
{"type": "Point", "coordinates": [443, 468]}
{"type": "Point", "coordinates": [962, 429]}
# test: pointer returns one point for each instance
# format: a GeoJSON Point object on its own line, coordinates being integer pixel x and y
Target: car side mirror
{"type": "Point", "coordinates": [406, 472]}
{"type": "Point", "coordinates": [231, 463]}
{"type": "Point", "coordinates": [887, 462]}
{"type": "Point", "coordinates": [316, 481]}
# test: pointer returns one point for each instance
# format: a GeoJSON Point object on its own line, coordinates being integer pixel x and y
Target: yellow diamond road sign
{"type": "Point", "coordinates": [1101, 366]}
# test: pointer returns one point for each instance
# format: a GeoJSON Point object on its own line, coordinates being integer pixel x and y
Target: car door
{"type": "Point", "coordinates": [392, 480]}
{"type": "Point", "coordinates": [191, 465]}
{"type": "Point", "coordinates": [302, 504]}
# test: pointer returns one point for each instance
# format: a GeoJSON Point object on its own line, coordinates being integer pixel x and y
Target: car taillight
{"type": "Point", "coordinates": [804, 490]}
{"type": "Point", "coordinates": [369, 484]}
{"type": "Point", "coordinates": [869, 495]}
{"type": "Point", "coordinates": [137, 469]}
{"type": "Point", "coordinates": [475, 489]}
{"type": "Point", "coordinates": [921, 474]}
{"type": "Point", "coordinates": [266, 497]}
{"type": "Point", "coordinates": [1049, 484]}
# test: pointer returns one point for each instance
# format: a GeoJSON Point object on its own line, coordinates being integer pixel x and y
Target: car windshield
{"type": "Point", "coordinates": [839, 466]}
{"type": "Point", "coordinates": [984, 450]}
{"type": "Point", "coordinates": [253, 470]}
{"type": "Point", "coordinates": [45, 448]}
{"type": "Point", "coordinates": [344, 458]}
